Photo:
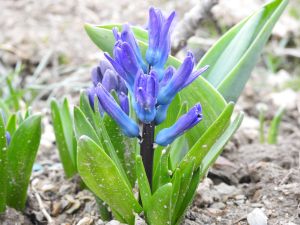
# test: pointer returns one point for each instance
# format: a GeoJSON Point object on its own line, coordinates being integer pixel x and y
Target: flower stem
{"type": "Point", "coordinates": [147, 150]}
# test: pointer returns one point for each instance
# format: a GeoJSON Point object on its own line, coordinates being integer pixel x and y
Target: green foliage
{"type": "Point", "coordinates": [17, 158]}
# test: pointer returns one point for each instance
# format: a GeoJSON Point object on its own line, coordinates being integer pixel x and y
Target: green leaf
{"type": "Point", "coordinates": [11, 125]}
{"type": "Point", "coordinates": [21, 155]}
{"type": "Point", "coordinates": [64, 135]}
{"type": "Point", "coordinates": [159, 212]}
{"type": "Point", "coordinates": [217, 148]}
{"type": "Point", "coordinates": [185, 179]}
{"type": "Point", "coordinates": [233, 57]}
{"type": "Point", "coordinates": [84, 127]}
{"type": "Point", "coordinates": [123, 146]}
{"type": "Point", "coordinates": [3, 166]}
{"type": "Point", "coordinates": [102, 176]}
{"type": "Point", "coordinates": [208, 139]}
{"type": "Point", "coordinates": [190, 194]}
{"type": "Point", "coordinates": [161, 175]}
{"type": "Point", "coordinates": [144, 186]}
{"type": "Point", "coordinates": [273, 130]}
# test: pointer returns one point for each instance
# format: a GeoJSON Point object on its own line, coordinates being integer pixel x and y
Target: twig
{"type": "Point", "coordinates": [42, 207]}
{"type": "Point", "coordinates": [187, 26]}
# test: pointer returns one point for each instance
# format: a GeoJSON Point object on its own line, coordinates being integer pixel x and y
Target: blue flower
{"type": "Point", "coordinates": [182, 77]}
{"type": "Point", "coordinates": [145, 92]}
{"type": "Point", "coordinates": [187, 121]}
{"type": "Point", "coordinates": [150, 86]}
{"type": "Point", "coordinates": [159, 39]}
{"type": "Point", "coordinates": [110, 106]}
{"type": "Point", "coordinates": [105, 74]}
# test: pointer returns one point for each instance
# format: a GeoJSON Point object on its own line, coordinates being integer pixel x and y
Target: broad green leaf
{"type": "Point", "coordinates": [102, 176]}
{"type": "Point", "coordinates": [123, 146]}
{"type": "Point", "coordinates": [199, 91]}
{"type": "Point", "coordinates": [217, 148]}
{"type": "Point", "coordinates": [21, 155]}
{"type": "Point", "coordinates": [63, 130]}
{"type": "Point", "coordinates": [233, 57]}
{"type": "Point", "coordinates": [3, 166]}
{"type": "Point", "coordinates": [144, 186]}
{"type": "Point", "coordinates": [159, 212]}
{"type": "Point", "coordinates": [208, 139]}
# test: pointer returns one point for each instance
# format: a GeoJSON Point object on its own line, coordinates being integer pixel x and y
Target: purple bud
{"type": "Point", "coordinates": [110, 106]}
{"type": "Point", "coordinates": [167, 76]}
{"type": "Point", "coordinates": [184, 123]}
{"type": "Point", "coordinates": [96, 76]}
{"type": "Point", "coordinates": [124, 102]}
{"type": "Point", "coordinates": [110, 80]}
{"type": "Point", "coordinates": [145, 92]}
{"type": "Point", "coordinates": [159, 38]}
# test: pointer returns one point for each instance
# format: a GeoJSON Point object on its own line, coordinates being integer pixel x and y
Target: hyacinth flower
{"type": "Point", "coordinates": [152, 86]}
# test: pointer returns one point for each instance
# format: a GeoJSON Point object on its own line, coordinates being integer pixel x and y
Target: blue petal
{"type": "Point", "coordinates": [110, 106]}
{"type": "Point", "coordinates": [184, 123]}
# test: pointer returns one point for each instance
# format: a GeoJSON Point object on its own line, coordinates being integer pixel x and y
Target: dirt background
{"type": "Point", "coordinates": [250, 182]}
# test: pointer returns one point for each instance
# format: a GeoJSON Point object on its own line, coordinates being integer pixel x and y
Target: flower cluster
{"type": "Point", "coordinates": [150, 86]}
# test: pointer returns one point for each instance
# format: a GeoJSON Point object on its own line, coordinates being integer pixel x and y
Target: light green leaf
{"type": "Point", "coordinates": [159, 212]}
{"type": "Point", "coordinates": [21, 155]}
{"type": "Point", "coordinates": [11, 125]}
{"type": "Point", "coordinates": [208, 139]}
{"type": "Point", "coordinates": [3, 166]}
{"type": "Point", "coordinates": [217, 148]}
{"type": "Point", "coordinates": [64, 135]}
{"type": "Point", "coordinates": [233, 57]}
{"type": "Point", "coordinates": [101, 175]}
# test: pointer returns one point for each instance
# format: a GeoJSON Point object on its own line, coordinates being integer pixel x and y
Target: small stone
{"type": "Point", "coordinates": [240, 197]}
{"type": "Point", "coordinates": [114, 222]}
{"type": "Point", "coordinates": [226, 191]}
{"type": "Point", "coordinates": [85, 221]}
{"type": "Point", "coordinates": [56, 208]}
{"type": "Point", "coordinates": [218, 205]}
{"type": "Point", "coordinates": [257, 217]}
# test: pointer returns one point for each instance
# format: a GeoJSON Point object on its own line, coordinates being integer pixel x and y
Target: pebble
{"type": "Point", "coordinates": [218, 205]}
{"type": "Point", "coordinates": [257, 217]}
{"type": "Point", "coordinates": [85, 221]}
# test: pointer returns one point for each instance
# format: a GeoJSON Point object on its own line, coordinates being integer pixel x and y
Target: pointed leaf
{"type": "Point", "coordinates": [102, 176]}
{"type": "Point", "coordinates": [63, 138]}
{"type": "Point", "coordinates": [159, 212]}
{"type": "Point", "coordinates": [233, 57]}
{"type": "Point", "coordinates": [21, 155]}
